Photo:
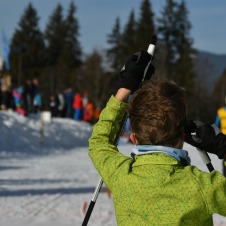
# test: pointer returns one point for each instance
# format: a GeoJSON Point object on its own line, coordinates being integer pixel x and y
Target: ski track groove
{"type": "Point", "coordinates": [34, 200]}
{"type": "Point", "coordinates": [46, 206]}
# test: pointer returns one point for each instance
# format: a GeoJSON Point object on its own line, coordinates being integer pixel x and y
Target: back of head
{"type": "Point", "coordinates": [157, 113]}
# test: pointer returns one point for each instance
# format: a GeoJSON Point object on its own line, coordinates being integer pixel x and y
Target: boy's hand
{"type": "Point", "coordinates": [206, 137]}
{"type": "Point", "coordinates": [132, 73]}
{"type": "Point", "coordinates": [122, 94]}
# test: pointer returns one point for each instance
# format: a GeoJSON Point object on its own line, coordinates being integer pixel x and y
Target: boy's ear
{"type": "Point", "coordinates": [133, 138]}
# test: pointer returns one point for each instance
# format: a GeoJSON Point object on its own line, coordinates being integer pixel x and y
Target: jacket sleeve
{"type": "Point", "coordinates": [104, 154]}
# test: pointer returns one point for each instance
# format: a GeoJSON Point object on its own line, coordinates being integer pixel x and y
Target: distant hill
{"type": "Point", "coordinates": [209, 67]}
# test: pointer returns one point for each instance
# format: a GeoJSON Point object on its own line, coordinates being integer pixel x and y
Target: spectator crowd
{"type": "Point", "coordinates": [27, 99]}
{"type": "Point", "coordinates": [74, 105]}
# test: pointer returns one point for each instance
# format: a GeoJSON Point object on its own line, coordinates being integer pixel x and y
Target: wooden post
{"type": "Point", "coordinates": [44, 118]}
{"type": "Point", "coordinates": [41, 129]}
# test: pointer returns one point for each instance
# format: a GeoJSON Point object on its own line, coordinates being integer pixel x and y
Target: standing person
{"type": "Point", "coordinates": [78, 107]}
{"type": "Point", "coordinates": [6, 91]}
{"type": "Point", "coordinates": [33, 92]}
{"type": "Point", "coordinates": [89, 112]}
{"type": "Point", "coordinates": [53, 105]}
{"type": "Point", "coordinates": [97, 114]}
{"type": "Point", "coordinates": [61, 106]}
{"type": "Point", "coordinates": [85, 99]}
{"type": "Point", "coordinates": [18, 100]}
{"type": "Point", "coordinates": [37, 102]}
{"type": "Point", "coordinates": [220, 121]}
{"type": "Point", "coordinates": [26, 96]}
{"type": "Point", "coordinates": [69, 102]}
{"type": "Point", "coordinates": [157, 186]}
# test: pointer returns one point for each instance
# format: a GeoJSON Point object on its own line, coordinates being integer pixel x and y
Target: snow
{"type": "Point", "coordinates": [52, 183]}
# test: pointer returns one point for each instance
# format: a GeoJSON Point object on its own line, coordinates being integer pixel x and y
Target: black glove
{"type": "Point", "coordinates": [132, 73]}
{"type": "Point", "coordinates": [206, 137]}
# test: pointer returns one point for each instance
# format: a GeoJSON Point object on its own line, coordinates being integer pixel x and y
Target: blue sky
{"type": "Point", "coordinates": [97, 18]}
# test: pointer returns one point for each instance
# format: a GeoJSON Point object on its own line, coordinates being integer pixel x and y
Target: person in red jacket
{"type": "Point", "coordinates": [78, 107]}
{"type": "Point", "coordinates": [89, 112]}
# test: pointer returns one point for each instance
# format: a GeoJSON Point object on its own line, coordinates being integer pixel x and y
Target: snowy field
{"type": "Point", "coordinates": [51, 184]}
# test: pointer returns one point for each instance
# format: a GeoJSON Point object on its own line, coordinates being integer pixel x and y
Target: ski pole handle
{"type": "Point", "coordinates": [151, 50]}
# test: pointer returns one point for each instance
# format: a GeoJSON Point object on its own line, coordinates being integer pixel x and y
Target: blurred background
{"type": "Point", "coordinates": [54, 50]}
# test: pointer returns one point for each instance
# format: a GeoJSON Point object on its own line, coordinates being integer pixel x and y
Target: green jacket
{"type": "Point", "coordinates": [153, 189]}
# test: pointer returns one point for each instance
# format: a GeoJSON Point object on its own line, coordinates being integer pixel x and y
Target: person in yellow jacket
{"type": "Point", "coordinates": [220, 121]}
{"type": "Point", "coordinates": [156, 185]}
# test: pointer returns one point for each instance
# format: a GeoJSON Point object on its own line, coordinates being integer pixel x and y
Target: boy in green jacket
{"type": "Point", "coordinates": [157, 185]}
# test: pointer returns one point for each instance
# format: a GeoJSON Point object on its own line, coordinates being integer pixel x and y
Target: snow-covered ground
{"type": "Point", "coordinates": [52, 183]}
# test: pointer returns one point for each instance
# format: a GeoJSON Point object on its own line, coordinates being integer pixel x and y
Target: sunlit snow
{"type": "Point", "coordinates": [50, 181]}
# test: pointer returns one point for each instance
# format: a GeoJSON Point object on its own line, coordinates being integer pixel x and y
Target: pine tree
{"type": "Point", "coordinates": [72, 49]}
{"type": "Point", "coordinates": [184, 70]}
{"type": "Point", "coordinates": [174, 28]}
{"type": "Point", "coordinates": [184, 74]}
{"type": "Point", "coordinates": [219, 92]}
{"type": "Point", "coordinates": [145, 26]}
{"type": "Point", "coordinates": [166, 31]}
{"type": "Point", "coordinates": [114, 53]}
{"type": "Point", "coordinates": [55, 33]}
{"type": "Point", "coordinates": [128, 36]}
{"type": "Point", "coordinates": [96, 82]}
{"type": "Point", "coordinates": [93, 72]}
{"type": "Point", "coordinates": [27, 46]}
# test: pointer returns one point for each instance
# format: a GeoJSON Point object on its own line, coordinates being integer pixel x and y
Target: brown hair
{"type": "Point", "coordinates": [157, 113]}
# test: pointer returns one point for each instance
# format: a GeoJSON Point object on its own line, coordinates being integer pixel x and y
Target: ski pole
{"type": "Point", "coordinates": [151, 49]}
{"type": "Point", "coordinates": [203, 154]}
{"type": "Point", "coordinates": [206, 159]}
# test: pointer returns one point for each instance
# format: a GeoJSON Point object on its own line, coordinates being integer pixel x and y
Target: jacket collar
{"type": "Point", "coordinates": [181, 156]}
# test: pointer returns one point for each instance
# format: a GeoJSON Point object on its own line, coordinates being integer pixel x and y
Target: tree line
{"type": "Point", "coordinates": [56, 58]}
